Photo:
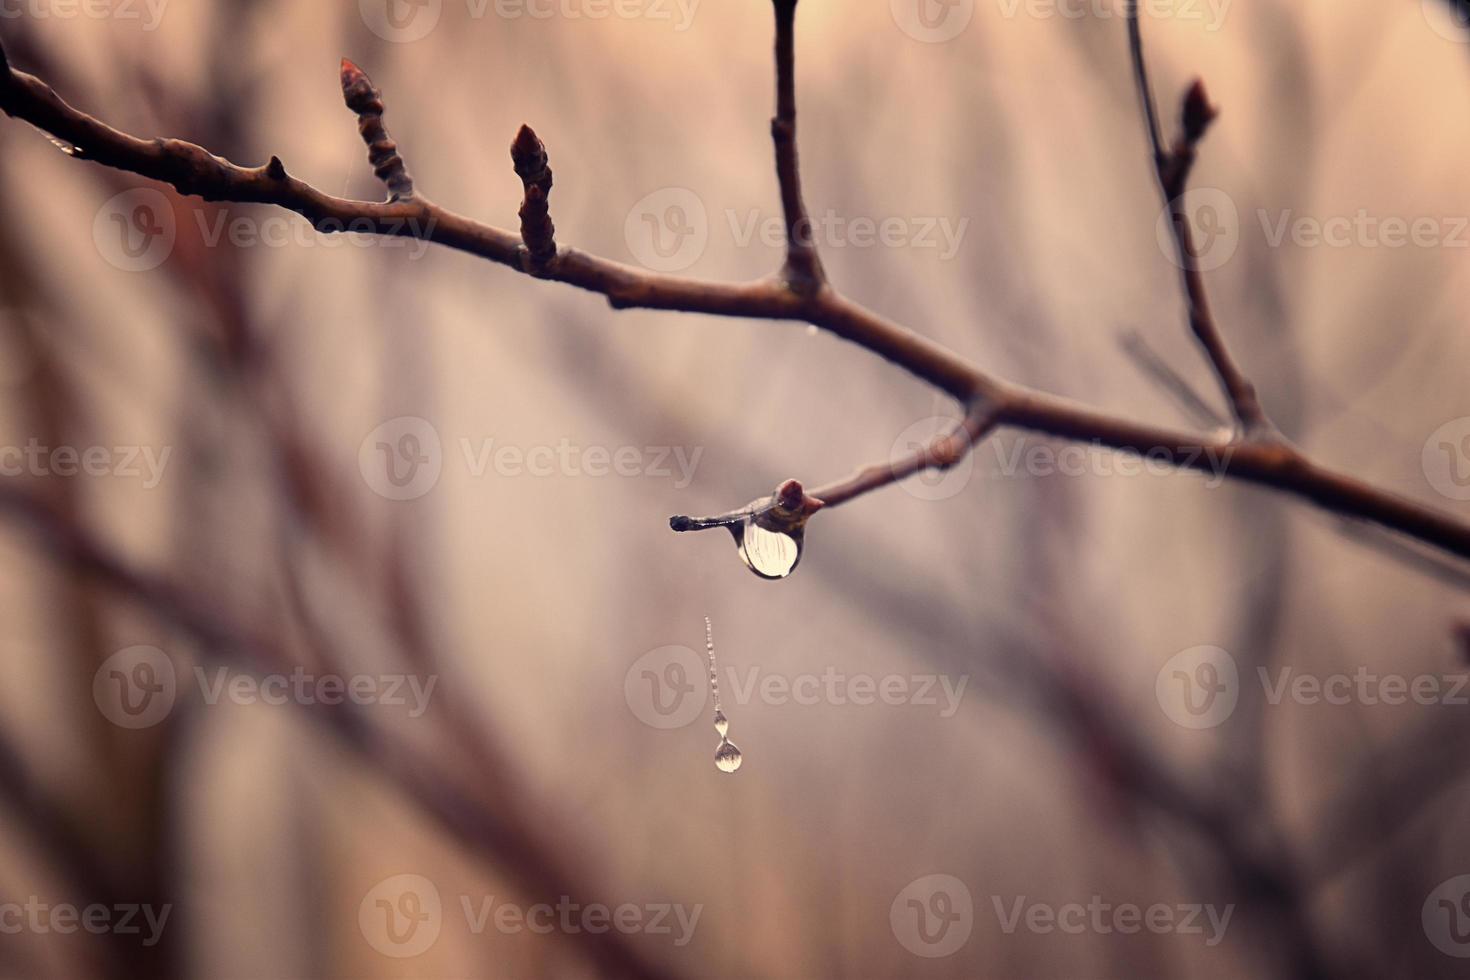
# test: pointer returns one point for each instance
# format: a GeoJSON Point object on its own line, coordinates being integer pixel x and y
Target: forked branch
{"type": "Point", "coordinates": [797, 292]}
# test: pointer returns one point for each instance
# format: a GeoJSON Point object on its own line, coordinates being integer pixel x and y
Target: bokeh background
{"type": "Point", "coordinates": [1063, 774]}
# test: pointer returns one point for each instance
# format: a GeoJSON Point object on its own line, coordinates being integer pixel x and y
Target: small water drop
{"type": "Point", "coordinates": [770, 554]}
{"type": "Point", "coordinates": [727, 756]}
{"type": "Point", "coordinates": [811, 330]}
{"type": "Point", "coordinates": [65, 147]}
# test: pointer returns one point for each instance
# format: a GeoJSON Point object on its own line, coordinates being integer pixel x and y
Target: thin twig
{"type": "Point", "coordinates": [803, 267]}
{"type": "Point", "coordinates": [1172, 166]}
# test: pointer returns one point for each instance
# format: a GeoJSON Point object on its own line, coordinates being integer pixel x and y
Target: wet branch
{"type": "Point", "coordinates": [798, 292]}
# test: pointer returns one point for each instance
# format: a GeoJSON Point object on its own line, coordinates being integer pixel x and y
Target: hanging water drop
{"type": "Point", "coordinates": [768, 533]}
{"type": "Point", "coordinates": [770, 554]}
{"type": "Point", "coordinates": [727, 755]}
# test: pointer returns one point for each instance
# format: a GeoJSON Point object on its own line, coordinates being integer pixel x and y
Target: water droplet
{"type": "Point", "coordinates": [727, 756]}
{"type": "Point", "coordinates": [811, 330]}
{"type": "Point", "coordinates": [770, 554]}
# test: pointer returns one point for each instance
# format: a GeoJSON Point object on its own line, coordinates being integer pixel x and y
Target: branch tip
{"type": "Point", "coordinates": [538, 234]}
{"type": "Point", "coordinates": [1197, 113]}
{"type": "Point", "coordinates": [364, 98]}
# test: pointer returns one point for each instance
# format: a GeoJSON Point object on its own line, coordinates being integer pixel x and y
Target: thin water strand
{"type": "Point", "coordinates": [727, 754]}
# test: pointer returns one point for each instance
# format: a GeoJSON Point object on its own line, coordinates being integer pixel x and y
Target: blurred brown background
{"type": "Point", "coordinates": [265, 368]}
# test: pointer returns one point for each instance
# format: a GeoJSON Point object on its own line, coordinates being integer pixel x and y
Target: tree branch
{"type": "Point", "coordinates": [1271, 462]}
{"type": "Point", "coordinates": [1172, 166]}
{"type": "Point", "coordinates": [803, 271]}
